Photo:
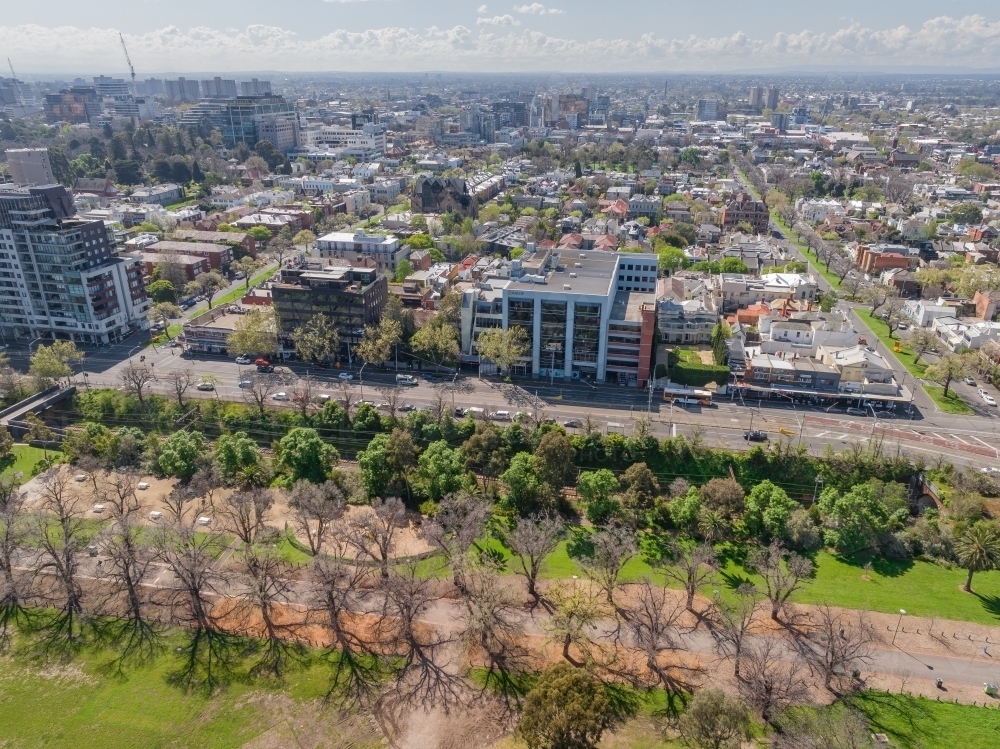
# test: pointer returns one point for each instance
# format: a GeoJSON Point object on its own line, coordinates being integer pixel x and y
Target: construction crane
{"type": "Point", "coordinates": [129, 61]}
{"type": "Point", "coordinates": [17, 87]}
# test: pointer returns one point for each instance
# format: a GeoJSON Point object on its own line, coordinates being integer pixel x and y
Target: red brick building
{"type": "Point", "coordinates": [744, 209]}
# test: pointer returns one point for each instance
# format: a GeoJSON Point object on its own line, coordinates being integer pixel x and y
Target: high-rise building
{"type": "Point", "coordinates": [218, 88]}
{"type": "Point", "coordinates": [240, 117]}
{"type": "Point", "coordinates": [510, 113]}
{"type": "Point", "coordinates": [77, 105]}
{"type": "Point", "coordinates": [756, 100]}
{"type": "Point", "coordinates": [708, 110]}
{"type": "Point", "coordinates": [182, 90]}
{"type": "Point", "coordinates": [280, 130]}
{"type": "Point", "coordinates": [30, 167]}
{"type": "Point", "coordinates": [772, 97]}
{"type": "Point", "coordinates": [112, 88]}
{"type": "Point", "coordinates": [60, 277]}
{"type": "Point", "coordinates": [153, 87]}
{"type": "Point", "coordinates": [253, 87]}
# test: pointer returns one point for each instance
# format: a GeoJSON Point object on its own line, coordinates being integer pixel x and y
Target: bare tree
{"type": "Point", "coordinates": [736, 623]}
{"type": "Point", "coordinates": [492, 635]}
{"type": "Point", "coordinates": [770, 680]}
{"type": "Point", "coordinates": [692, 568]}
{"type": "Point", "coordinates": [782, 576]}
{"type": "Point", "coordinates": [206, 481]}
{"type": "Point", "coordinates": [853, 283]}
{"type": "Point", "coordinates": [119, 491]}
{"type": "Point", "coordinates": [208, 656]}
{"type": "Point", "coordinates": [180, 380]}
{"type": "Point", "coordinates": [875, 297]}
{"type": "Point", "coordinates": [613, 547]}
{"type": "Point", "coordinates": [304, 395]}
{"type": "Point", "coordinates": [892, 311]}
{"type": "Point", "coordinates": [135, 378]}
{"type": "Point", "coordinates": [424, 678]}
{"type": "Point", "coordinates": [393, 395]}
{"type": "Point", "coordinates": [440, 405]}
{"type": "Point", "coordinates": [314, 508]}
{"type": "Point", "coordinates": [129, 624]}
{"type": "Point", "coordinates": [262, 386]}
{"type": "Point", "coordinates": [59, 532]}
{"type": "Point", "coordinates": [345, 394]}
{"type": "Point", "coordinates": [336, 596]}
{"type": "Point", "coordinates": [14, 613]}
{"type": "Point", "coordinates": [838, 645]}
{"type": "Point", "coordinates": [246, 513]}
{"type": "Point", "coordinates": [371, 532]}
{"type": "Point", "coordinates": [532, 539]}
{"type": "Point", "coordinates": [263, 611]}
{"type": "Point", "coordinates": [576, 612]}
{"type": "Point", "coordinates": [459, 521]}
{"type": "Point", "coordinates": [177, 502]}
{"type": "Point", "coordinates": [93, 467]}
{"type": "Point", "coordinates": [652, 624]}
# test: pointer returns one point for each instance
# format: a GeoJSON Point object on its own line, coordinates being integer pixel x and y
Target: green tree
{"type": "Point", "coordinates": [164, 312]}
{"type": "Point", "coordinates": [375, 471]}
{"type": "Point", "coordinates": [260, 234]}
{"type": "Point", "coordinates": [554, 459]}
{"type": "Point", "coordinates": [978, 550]}
{"type": "Point", "coordinates": [6, 442]}
{"type": "Point", "coordinates": [234, 453]}
{"type": "Point", "coordinates": [860, 517]}
{"type": "Point", "coordinates": [721, 333]}
{"type": "Point", "coordinates": [966, 213]}
{"type": "Point", "coordinates": [303, 452]}
{"type": "Point", "coordinates": [245, 265]}
{"type": "Point", "coordinates": [181, 454]}
{"type": "Point", "coordinates": [162, 291]}
{"type": "Point", "coordinates": [714, 720]}
{"type": "Point", "coordinates": [401, 455]}
{"type": "Point", "coordinates": [403, 269]}
{"type": "Point", "coordinates": [317, 340]}
{"type": "Point", "coordinates": [304, 237]}
{"type": "Point", "coordinates": [436, 344]}
{"type": "Point", "coordinates": [767, 509]}
{"type": "Point", "coordinates": [949, 367]}
{"type": "Point", "coordinates": [209, 284]}
{"type": "Point", "coordinates": [255, 332]}
{"type": "Point", "coordinates": [523, 486]}
{"type": "Point", "coordinates": [921, 341]}
{"type": "Point", "coordinates": [54, 362]}
{"type": "Point", "coordinates": [503, 347]}
{"type": "Point", "coordinates": [597, 489]}
{"type": "Point", "coordinates": [733, 265]}
{"type": "Point", "coordinates": [566, 709]}
{"type": "Point", "coordinates": [440, 470]}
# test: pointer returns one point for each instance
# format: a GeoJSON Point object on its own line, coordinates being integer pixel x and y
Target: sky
{"type": "Point", "coordinates": [179, 36]}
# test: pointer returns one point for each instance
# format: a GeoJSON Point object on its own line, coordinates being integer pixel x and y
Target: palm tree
{"type": "Point", "coordinates": [978, 550]}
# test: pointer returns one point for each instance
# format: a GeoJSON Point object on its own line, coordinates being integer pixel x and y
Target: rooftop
{"type": "Point", "coordinates": [628, 305]}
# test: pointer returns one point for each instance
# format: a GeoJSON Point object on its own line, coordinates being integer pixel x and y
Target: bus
{"type": "Point", "coordinates": [683, 396]}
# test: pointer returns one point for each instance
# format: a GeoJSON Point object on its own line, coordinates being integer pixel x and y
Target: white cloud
{"type": "Point", "coordinates": [482, 9]}
{"type": "Point", "coordinates": [538, 9]}
{"type": "Point", "coordinates": [971, 41]}
{"type": "Point", "coordinates": [505, 20]}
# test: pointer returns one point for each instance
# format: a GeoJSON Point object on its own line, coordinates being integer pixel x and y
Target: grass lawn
{"type": "Point", "coordinates": [951, 404]}
{"type": "Point", "coordinates": [811, 257]}
{"type": "Point", "coordinates": [922, 588]}
{"type": "Point", "coordinates": [81, 705]}
{"type": "Point", "coordinates": [919, 723]}
{"type": "Point", "coordinates": [23, 459]}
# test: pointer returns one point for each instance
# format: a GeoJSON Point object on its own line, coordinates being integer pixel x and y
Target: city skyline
{"type": "Point", "coordinates": [386, 36]}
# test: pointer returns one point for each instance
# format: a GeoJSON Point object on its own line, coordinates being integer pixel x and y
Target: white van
{"type": "Point", "coordinates": [475, 412]}
{"type": "Point", "coordinates": [402, 379]}
{"type": "Point", "coordinates": [500, 415]}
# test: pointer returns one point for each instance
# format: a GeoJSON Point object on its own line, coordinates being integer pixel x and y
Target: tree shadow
{"type": "Point", "coordinates": [879, 565]}
{"type": "Point", "coordinates": [879, 706]}
{"type": "Point", "coordinates": [990, 603]}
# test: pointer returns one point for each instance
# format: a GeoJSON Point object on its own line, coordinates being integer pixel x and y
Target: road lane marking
{"type": "Point", "coordinates": [992, 447]}
{"type": "Point", "coordinates": [961, 440]}
{"type": "Point", "coordinates": [823, 434]}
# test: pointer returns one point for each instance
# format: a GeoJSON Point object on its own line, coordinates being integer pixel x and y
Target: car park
{"type": "Point", "coordinates": [755, 435]}
{"type": "Point", "coordinates": [205, 386]}
{"type": "Point", "coordinates": [282, 396]}
{"type": "Point", "coordinates": [345, 376]}
{"type": "Point", "coordinates": [243, 360]}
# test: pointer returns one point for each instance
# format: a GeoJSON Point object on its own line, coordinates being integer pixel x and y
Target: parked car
{"type": "Point", "coordinates": [968, 381]}
{"type": "Point", "coordinates": [384, 406]}
{"type": "Point", "coordinates": [260, 361]}
{"type": "Point", "coordinates": [403, 379]}
{"type": "Point", "coordinates": [459, 411]}
{"type": "Point", "coordinates": [282, 396]}
{"type": "Point", "coordinates": [573, 423]}
{"type": "Point", "coordinates": [429, 377]}
{"type": "Point", "coordinates": [246, 383]}
{"type": "Point", "coordinates": [990, 400]}
{"type": "Point", "coordinates": [265, 368]}
{"type": "Point", "coordinates": [206, 386]}
{"type": "Point", "coordinates": [345, 376]}
{"type": "Point", "coordinates": [323, 397]}
{"type": "Point", "coordinates": [500, 415]}
{"type": "Point", "coordinates": [857, 411]}
{"type": "Point", "coordinates": [755, 435]}
{"type": "Point", "coordinates": [407, 407]}
{"type": "Point", "coordinates": [243, 360]}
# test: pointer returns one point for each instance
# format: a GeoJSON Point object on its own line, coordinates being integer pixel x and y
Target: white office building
{"type": "Point", "coordinates": [383, 249]}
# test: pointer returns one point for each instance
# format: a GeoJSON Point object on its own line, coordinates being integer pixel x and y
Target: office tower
{"type": "Point", "coordinates": [240, 117]}
{"type": "Point", "coordinates": [772, 97]}
{"type": "Point", "coordinates": [253, 87]}
{"type": "Point", "coordinates": [153, 87]}
{"type": "Point", "coordinates": [77, 105]}
{"type": "Point", "coordinates": [756, 100]}
{"type": "Point", "coordinates": [30, 167]}
{"type": "Point", "coordinates": [182, 90]}
{"type": "Point", "coordinates": [708, 110]}
{"type": "Point", "coordinates": [59, 275]}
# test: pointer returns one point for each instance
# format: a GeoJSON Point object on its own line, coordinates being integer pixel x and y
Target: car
{"type": "Point", "coordinates": [319, 365]}
{"type": "Point", "coordinates": [990, 400]}
{"type": "Point", "coordinates": [403, 379]}
{"type": "Point", "coordinates": [852, 411]}
{"type": "Point", "coordinates": [174, 344]}
{"type": "Point", "coordinates": [243, 360]}
{"type": "Point", "coordinates": [475, 412]}
{"type": "Point", "coordinates": [155, 515]}
{"type": "Point", "coordinates": [142, 485]}
{"type": "Point", "coordinates": [383, 406]}
{"type": "Point", "coordinates": [205, 386]}
{"type": "Point", "coordinates": [500, 415]}
{"type": "Point", "coordinates": [323, 397]}
{"type": "Point", "coordinates": [265, 368]}
{"type": "Point", "coordinates": [282, 396]}
{"type": "Point", "coordinates": [203, 520]}
{"type": "Point", "coordinates": [345, 376]}
{"type": "Point", "coordinates": [902, 326]}
{"type": "Point", "coordinates": [425, 407]}
{"type": "Point", "coordinates": [573, 423]}
{"type": "Point", "coordinates": [755, 435]}
{"type": "Point", "coordinates": [968, 381]}
{"type": "Point", "coordinates": [407, 407]}
{"type": "Point", "coordinates": [246, 383]}
{"type": "Point", "coordinates": [982, 392]}
{"type": "Point", "coordinates": [459, 411]}
{"type": "Point", "coordinates": [99, 508]}
{"type": "Point", "coordinates": [429, 377]}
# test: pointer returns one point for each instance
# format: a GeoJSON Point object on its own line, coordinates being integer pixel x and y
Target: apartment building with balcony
{"type": "Point", "coordinates": [382, 249]}
{"type": "Point", "coordinates": [732, 291]}
{"type": "Point", "coordinates": [60, 277]}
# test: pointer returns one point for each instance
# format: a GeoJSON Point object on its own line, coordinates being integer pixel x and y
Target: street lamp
{"type": "Point", "coordinates": [553, 348]}
{"type": "Point", "coordinates": [361, 379]}
{"type": "Point", "coordinates": [817, 488]}
{"type": "Point", "coordinates": [902, 613]}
